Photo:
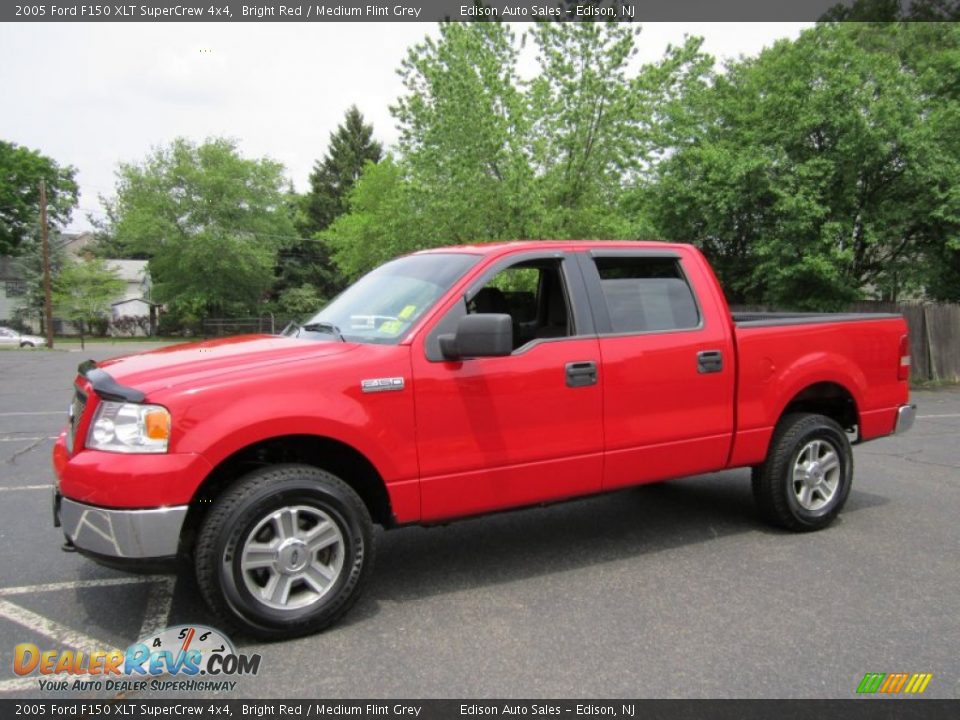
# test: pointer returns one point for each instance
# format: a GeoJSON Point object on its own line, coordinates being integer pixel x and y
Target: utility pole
{"type": "Point", "coordinates": [45, 241]}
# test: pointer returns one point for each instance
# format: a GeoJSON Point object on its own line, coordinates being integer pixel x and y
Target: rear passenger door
{"type": "Point", "coordinates": [668, 366]}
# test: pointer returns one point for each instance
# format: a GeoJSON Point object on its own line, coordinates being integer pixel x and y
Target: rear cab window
{"type": "Point", "coordinates": [646, 294]}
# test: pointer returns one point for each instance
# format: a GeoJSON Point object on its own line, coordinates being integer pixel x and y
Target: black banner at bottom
{"type": "Point", "coordinates": [446, 709]}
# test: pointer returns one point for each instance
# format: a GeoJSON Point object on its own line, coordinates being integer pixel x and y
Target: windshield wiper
{"type": "Point", "coordinates": [324, 327]}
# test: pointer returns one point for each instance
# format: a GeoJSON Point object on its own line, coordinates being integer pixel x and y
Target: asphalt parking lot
{"type": "Point", "coordinates": [675, 590]}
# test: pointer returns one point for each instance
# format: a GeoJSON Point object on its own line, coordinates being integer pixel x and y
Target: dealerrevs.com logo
{"type": "Point", "coordinates": [182, 658]}
{"type": "Point", "coordinates": [894, 683]}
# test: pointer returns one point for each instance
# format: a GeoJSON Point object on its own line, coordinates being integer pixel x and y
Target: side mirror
{"type": "Point", "coordinates": [479, 335]}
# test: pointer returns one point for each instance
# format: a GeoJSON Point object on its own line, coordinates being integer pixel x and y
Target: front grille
{"type": "Point", "coordinates": [76, 413]}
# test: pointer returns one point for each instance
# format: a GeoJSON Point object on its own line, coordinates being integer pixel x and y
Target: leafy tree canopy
{"type": "Point", "coordinates": [210, 222]}
{"type": "Point", "coordinates": [21, 171]}
{"type": "Point", "coordinates": [83, 291]}
{"type": "Point", "coordinates": [308, 262]}
{"type": "Point", "coordinates": [484, 154]}
{"type": "Point", "coordinates": [820, 168]}
{"type": "Point", "coordinates": [30, 265]}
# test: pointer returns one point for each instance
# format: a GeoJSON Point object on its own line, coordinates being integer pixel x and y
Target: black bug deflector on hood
{"type": "Point", "coordinates": [106, 387]}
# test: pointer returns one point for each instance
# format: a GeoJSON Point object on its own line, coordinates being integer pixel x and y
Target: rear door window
{"type": "Point", "coordinates": [646, 294]}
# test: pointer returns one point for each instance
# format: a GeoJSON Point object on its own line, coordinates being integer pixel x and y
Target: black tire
{"type": "Point", "coordinates": [26, 345]}
{"type": "Point", "coordinates": [251, 510]}
{"type": "Point", "coordinates": [780, 497]}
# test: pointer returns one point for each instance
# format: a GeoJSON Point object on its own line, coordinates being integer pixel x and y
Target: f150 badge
{"type": "Point", "coordinates": [381, 384]}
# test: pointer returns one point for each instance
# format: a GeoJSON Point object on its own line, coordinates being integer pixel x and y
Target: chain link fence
{"type": "Point", "coordinates": [222, 327]}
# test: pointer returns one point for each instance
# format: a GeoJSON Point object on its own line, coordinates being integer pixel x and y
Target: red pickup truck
{"type": "Point", "coordinates": [455, 382]}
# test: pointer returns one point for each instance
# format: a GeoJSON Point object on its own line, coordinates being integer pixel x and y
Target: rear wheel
{"type": "Point", "coordinates": [26, 344]}
{"type": "Point", "coordinates": [285, 551]}
{"type": "Point", "coordinates": [805, 480]}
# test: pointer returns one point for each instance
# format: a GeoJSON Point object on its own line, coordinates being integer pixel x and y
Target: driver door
{"type": "Point", "coordinates": [501, 432]}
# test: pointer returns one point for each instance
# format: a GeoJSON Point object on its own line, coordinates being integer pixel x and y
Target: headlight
{"type": "Point", "coordinates": [129, 428]}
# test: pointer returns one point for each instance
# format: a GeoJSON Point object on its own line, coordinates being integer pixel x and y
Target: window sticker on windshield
{"type": "Point", "coordinates": [391, 327]}
{"type": "Point", "coordinates": [407, 312]}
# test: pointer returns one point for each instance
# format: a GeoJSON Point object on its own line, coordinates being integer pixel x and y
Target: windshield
{"type": "Point", "coordinates": [382, 305]}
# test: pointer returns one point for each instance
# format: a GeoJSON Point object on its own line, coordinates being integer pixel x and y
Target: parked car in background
{"type": "Point", "coordinates": [11, 338]}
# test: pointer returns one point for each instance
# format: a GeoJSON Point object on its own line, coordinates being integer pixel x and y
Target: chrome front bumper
{"type": "Point", "coordinates": [906, 414]}
{"type": "Point", "coordinates": [132, 534]}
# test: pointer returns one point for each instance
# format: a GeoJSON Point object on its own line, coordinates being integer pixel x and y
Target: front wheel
{"type": "Point", "coordinates": [26, 344]}
{"type": "Point", "coordinates": [284, 552]}
{"type": "Point", "coordinates": [805, 480]}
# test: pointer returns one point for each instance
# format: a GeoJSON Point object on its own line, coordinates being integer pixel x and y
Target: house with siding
{"type": "Point", "coordinates": [13, 288]}
{"type": "Point", "coordinates": [133, 302]}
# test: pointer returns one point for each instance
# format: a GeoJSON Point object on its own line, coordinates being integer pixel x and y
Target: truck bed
{"type": "Point", "coordinates": [779, 352]}
{"type": "Point", "coordinates": [769, 319]}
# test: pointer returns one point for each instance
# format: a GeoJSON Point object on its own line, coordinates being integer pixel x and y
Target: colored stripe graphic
{"type": "Point", "coordinates": [918, 683]}
{"type": "Point", "coordinates": [871, 682]}
{"type": "Point", "coordinates": [894, 683]}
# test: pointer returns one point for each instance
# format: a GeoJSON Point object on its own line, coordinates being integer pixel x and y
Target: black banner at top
{"type": "Point", "coordinates": [433, 10]}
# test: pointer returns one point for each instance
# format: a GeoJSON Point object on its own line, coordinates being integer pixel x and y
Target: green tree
{"type": "Point", "coordinates": [209, 221]}
{"type": "Point", "coordinates": [351, 147]}
{"type": "Point", "coordinates": [821, 169]}
{"type": "Point", "coordinates": [299, 302]}
{"type": "Point", "coordinates": [464, 136]}
{"type": "Point", "coordinates": [21, 170]}
{"type": "Point", "coordinates": [84, 291]}
{"type": "Point", "coordinates": [383, 222]}
{"type": "Point", "coordinates": [596, 125]}
{"type": "Point", "coordinates": [891, 10]}
{"type": "Point", "coordinates": [462, 171]}
{"type": "Point", "coordinates": [30, 262]}
{"type": "Point", "coordinates": [308, 262]}
{"type": "Point", "coordinates": [485, 155]}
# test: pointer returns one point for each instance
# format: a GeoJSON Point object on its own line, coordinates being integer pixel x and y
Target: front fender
{"type": "Point", "coordinates": [381, 429]}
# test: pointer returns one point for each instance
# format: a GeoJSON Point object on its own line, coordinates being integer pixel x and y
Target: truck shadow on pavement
{"type": "Point", "coordinates": [419, 562]}
{"type": "Point", "coordinates": [415, 563]}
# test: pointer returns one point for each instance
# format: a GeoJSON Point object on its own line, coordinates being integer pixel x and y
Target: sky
{"type": "Point", "coordinates": [92, 95]}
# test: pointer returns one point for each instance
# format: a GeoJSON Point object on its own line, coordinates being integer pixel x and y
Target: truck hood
{"type": "Point", "coordinates": [193, 362]}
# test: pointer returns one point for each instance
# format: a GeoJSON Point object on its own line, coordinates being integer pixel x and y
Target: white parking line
{"type": "Point", "coordinates": [77, 584]}
{"type": "Point", "coordinates": [25, 487]}
{"type": "Point", "coordinates": [156, 616]}
{"type": "Point", "coordinates": [42, 412]}
{"type": "Point", "coordinates": [947, 415]}
{"type": "Point", "coordinates": [50, 628]}
{"type": "Point", "coordinates": [28, 439]}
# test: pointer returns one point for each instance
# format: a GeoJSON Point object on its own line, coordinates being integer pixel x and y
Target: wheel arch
{"type": "Point", "coordinates": [332, 455]}
{"type": "Point", "coordinates": [825, 397]}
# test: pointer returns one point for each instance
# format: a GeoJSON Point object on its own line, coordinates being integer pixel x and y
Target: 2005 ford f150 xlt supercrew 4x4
{"type": "Point", "coordinates": [455, 382]}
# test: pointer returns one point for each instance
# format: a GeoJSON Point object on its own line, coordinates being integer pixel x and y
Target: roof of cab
{"type": "Point", "coordinates": [496, 248]}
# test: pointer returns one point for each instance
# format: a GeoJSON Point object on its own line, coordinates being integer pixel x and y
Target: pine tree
{"type": "Point", "coordinates": [307, 264]}
{"type": "Point", "coordinates": [351, 146]}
